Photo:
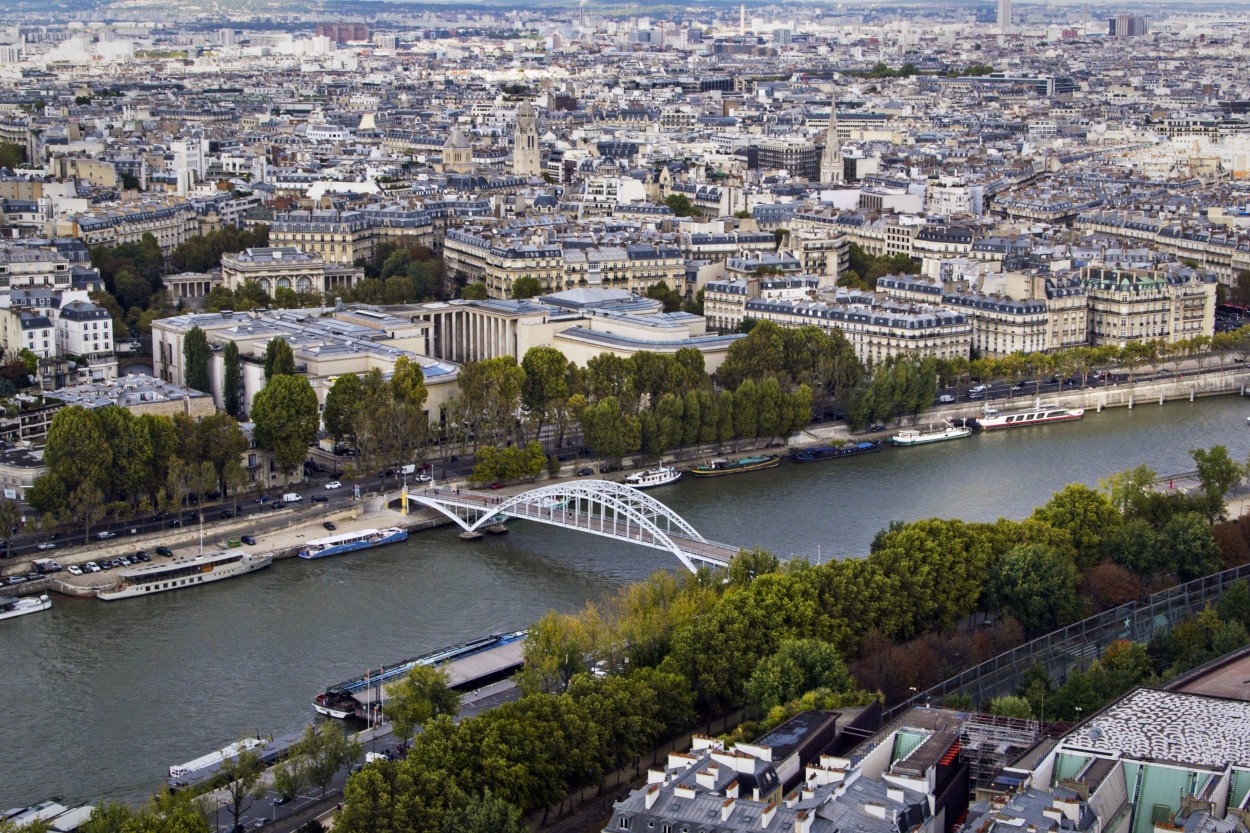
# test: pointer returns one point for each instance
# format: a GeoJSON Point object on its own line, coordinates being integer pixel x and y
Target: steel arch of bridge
{"type": "Point", "coordinates": [646, 521]}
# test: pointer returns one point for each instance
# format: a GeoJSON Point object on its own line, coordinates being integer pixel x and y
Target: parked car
{"type": "Point", "coordinates": [497, 485]}
{"type": "Point", "coordinates": [329, 525]}
{"type": "Point", "coordinates": [225, 514]}
{"type": "Point", "coordinates": [946, 399]}
{"type": "Point", "coordinates": [176, 522]}
{"type": "Point", "coordinates": [263, 499]}
{"type": "Point", "coordinates": [249, 540]}
{"type": "Point", "coordinates": [585, 471]}
{"type": "Point", "coordinates": [74, 570]}
{"type": "Point", "coordinates": [281, 799]}
{"type": "Point", "coordinates": [165, 551]}
{"type": "Point", "coordinates": [334, 484]}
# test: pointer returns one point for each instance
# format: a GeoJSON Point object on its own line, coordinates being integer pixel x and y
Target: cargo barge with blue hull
{"type": "Point", "coordinates": [361, 539]}
{"type": "Point", "coordinates": [469, 665]}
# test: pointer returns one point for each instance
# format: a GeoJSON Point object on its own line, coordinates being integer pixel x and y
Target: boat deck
{"type": "Point", "coordinates": [466, 670]}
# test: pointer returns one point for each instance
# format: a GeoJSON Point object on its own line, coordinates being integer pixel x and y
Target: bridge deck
{"type": "Point", "coordinates": [545, 509]}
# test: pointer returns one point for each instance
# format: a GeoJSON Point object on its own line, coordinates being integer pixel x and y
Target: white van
{"type": "Point", "coordinates": [291, 497]}
{"type": "Point", "coordinates": [946, 399]}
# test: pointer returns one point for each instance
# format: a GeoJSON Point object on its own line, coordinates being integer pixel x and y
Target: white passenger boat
{"type": "Point", "coordinates": [361, 539]}
{"type": "Point", "coordinates": [653, 477]}
{"type": "Point", "coordinates": [183, 572]}
{"type": "Point", "coordinates": [1039, 414]}
{"type": "Point", "coordinates": [10, 608]}
{"type": "Point", "coordinates": [941, 433]}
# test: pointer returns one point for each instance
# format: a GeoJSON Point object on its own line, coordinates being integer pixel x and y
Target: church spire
{"type": "Point", "coordinates": [831, 159]}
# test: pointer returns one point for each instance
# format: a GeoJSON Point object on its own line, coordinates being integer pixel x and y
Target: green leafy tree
{"type": "Point", "coordinates": [222, 441]}
{"type": "Point", "coordinates": [681, 205]}
{"type": "Point", "coordinates": [474, 292]}
{"type": "Point", "coordinates": [326, 750]}
{"type": "Point", "coordinates": [660, 291]}
{"type": "Point", "coordinates": [232, 380]}
{"type": "Point", "coordinates": [279, 360]}
{"type": "Point", "coordinates": [242, 783]}
{"type": "Point", "coordinates": [10, 519]}
{"type": "Point", "coordinates": [77, 449]}
{"type": "Point", "coordinates": [12, 155]}
{"type": "Point", "coordinates": [290, 776]}
{"type": "Point", "coordinates": [546, 388]}
{"type": "Point", "coordinates": [486, 813]}
{"type": "Point", "coordinates": [422, 695]}
{"type": "Point", "coordinates": [1088, 516]}
{"type": "Point", "coordinates": [195, 354]}
{"type": "Point", "coordinates": [610, 431]}
{"type": "Point", "coordinates": [758, 356]}
{"type": "Point", "coordinates": [286, 418]}
{"type": "Point", "coordinates": [1189, 547]}
{"type": "Point", "coordinates": [1011, 706]}
{"type": "Point", "coordinates": [1217, 472]}
{"type": "Point", "coordinates": [526, 287]}
{"type": "Point", "coordinates": [1037, 585]}
{"type": "Point", "coordinates": [342, 407]}
{"type": "Point", "coordinates": [797, 667]}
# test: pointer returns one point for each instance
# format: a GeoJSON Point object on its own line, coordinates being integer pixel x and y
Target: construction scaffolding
{"type": "Point", "coordinates": [987, 743]}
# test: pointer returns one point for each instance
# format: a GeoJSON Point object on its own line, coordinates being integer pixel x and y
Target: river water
{"type": "Point", "coordinates": [99, 699]}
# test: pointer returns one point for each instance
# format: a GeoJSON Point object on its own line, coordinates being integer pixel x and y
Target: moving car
{"type": "Point", "coordinates": [334, 484]}
{"type": "Point", "coordinates": [46, 545]}
{"type": "Point", "coordinates": [105, 535]}
{"type": "Point", "coordinates": [249, 540]}
{"type": "Point", "coordinates": [329, 525]}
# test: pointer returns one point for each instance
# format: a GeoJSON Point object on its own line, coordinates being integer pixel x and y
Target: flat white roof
{"type": "Point", "coordinates": [1170, 727]}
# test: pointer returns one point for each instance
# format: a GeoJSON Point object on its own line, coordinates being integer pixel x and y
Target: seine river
{"type": "Point", "coordinates": [100, 698]}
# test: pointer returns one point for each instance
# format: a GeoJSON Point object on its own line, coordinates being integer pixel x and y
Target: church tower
{"type": "Point", "coordinates": [526, 157]}
{"type": "Point", "coordinates": [457, 152]}
{"type": "Point", "coordinates": [831, 159]}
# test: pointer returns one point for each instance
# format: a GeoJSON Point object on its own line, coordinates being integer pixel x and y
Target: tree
{"type": "Point", "coordinates": [681, 205]}
{"type": "Point", "coordinates": [326, 750]}
{"type": "Point", "coordinates": [1217, 473]}
{"type": "Point", "coordinates": [526, 287]}
{"type": "Point", "coordinates": [1011, 706]}
{"type": "Point", "coordinates": [241, 775]}
{"type": "Point", "coordinates": [1188, 547]}
{"type": "Point", "coordinates": [232, 380]}
{"type": "Point", "coordinates": [12, 155]}
{"type": "Point", "coordinates": [610, 431]}
{"type": "Point", "coordinates": [423, 694]}
{"type": "Point", "coordinates": [290, 776]}
{"type": "Point", "coordinates": [486, 813]}
{"type": "Point", "coordinates": [660, 291]}
{"type": "Point", "coordinates": [555, 650]}
{"type": "Point", "coordinates": [797, 667]}
{"type": "Point", "coordinates": [286, 418]}
{"type": "Point", "coordinates": [279, 360]}
{"type": "Point", "coordinates": [1037, 585]}
{"type": "Point", "coordinates": [546, 386]}
{"type": "Point", "coordinates": [195, 354]}
{"type": "Point", "coordinates": [1127, 488]}
{"type": "Point", "coordinates": [342, 406]}
{"type": "Point", "coordinates": [10, 519]}
{"type": "Point", "coordinates": [474, 292]}
{"type": "Point", "coordinates": [1086, 515]}
{"type": "Point", "coordinates": [222, 441]}
{"type": "Point", "coordinates": [761, 354]}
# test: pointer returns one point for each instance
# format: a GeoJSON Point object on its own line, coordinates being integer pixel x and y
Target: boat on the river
{"type": "Point", "coordinates": [1040, 414]}
{"type": "Point", "coordinates": [650, 478]}
{"type": "Point", "coordinates": [834, 452]}
{"type": "Point", "coordinates": [723, 465]}
{"type": "Point", "coordinates": [940, 433]}
{"type": "Point", "coordinates": [183, 572]}
{"type": "Point", "coordinates": [10, 608]}
{"type": "Point", "coordinates": [361, 539]}
{"type": "Point", "coordinates": [341, 701]}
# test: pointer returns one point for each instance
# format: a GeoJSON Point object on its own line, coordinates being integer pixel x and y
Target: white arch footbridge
{"type": "Point", "coordinates": [599, 507]}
